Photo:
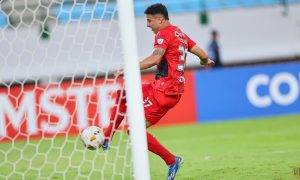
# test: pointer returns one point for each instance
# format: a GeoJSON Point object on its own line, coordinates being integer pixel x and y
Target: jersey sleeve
{"type": "Point", "coordinates": [191, 43]}
{"type": "Point", "coordinates": [161, 41]}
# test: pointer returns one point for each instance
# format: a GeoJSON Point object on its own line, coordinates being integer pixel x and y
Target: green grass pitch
{"type": "Point", "coordinates": [266, 149]}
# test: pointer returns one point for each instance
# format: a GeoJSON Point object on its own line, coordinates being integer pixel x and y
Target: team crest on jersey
{"type": "Point", "coordinates": [147, 102]}
{"type": "Point", "coordinates": [160, 41]}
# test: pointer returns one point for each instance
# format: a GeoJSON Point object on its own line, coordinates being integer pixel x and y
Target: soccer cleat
{"type": "Point", "coordinates": [105, 145]}
{"type": "Point", "coordinates": [173, 168]}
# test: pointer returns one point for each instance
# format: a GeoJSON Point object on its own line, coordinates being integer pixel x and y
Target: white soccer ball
{"type": "Point", "coordinates": [92, 137]}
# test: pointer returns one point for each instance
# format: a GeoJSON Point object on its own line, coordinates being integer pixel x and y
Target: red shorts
{"type": "Point", "coordinates": [156, 103]}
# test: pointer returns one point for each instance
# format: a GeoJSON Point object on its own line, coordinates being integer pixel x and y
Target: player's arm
{"type": "Point", "coordinates": [153, 59]}
{"type": "Point", "coordinates": [148, 62]}
{"type": "Point", "coordinates": [203, 56]}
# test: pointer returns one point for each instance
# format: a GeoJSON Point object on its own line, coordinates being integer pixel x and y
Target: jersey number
{"type": "Point", "coordinates": [182, 51]}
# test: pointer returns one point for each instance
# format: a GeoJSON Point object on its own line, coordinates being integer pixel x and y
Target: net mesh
{"type": "Point", "coordinates": [56, 60]}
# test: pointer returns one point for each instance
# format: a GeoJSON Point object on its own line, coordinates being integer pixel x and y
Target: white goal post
{"type": "Point", "coordinates": [133, 93]}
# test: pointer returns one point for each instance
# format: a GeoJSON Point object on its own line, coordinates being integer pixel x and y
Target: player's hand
{"type": "Point", "coordinates": [119, 73]}
{"type": "Point", "coordinates": [208, 63]}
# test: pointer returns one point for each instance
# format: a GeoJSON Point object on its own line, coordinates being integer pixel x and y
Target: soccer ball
{"type": "Point", "coordinates": [92, 137]}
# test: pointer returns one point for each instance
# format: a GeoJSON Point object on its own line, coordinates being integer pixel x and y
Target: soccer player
{"type": "Point", "coordinates": [169, 55]}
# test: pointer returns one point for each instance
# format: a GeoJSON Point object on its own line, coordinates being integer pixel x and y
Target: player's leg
{"type": "Point", "coordinates": [155, 147]}
{"type": "Point", "coordinates": [173, 162]}
{"type": "Point", "coordinates": [157, 105]}
{"type": "Point", "coordinates": [117, 115]}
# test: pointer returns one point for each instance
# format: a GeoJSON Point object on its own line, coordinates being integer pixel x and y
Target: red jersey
{"type": "Point", "coordinates": [170, 75]}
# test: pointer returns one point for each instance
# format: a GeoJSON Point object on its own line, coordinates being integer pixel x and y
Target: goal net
{"type": "Point", "coordinates": [57, 59]}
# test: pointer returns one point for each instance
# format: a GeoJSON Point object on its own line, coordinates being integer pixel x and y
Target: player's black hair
{"type": "Point", "coordinates": [157, 8]}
